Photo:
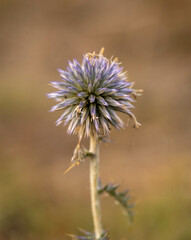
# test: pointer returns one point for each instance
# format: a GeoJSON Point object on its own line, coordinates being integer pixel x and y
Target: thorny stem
{"type": "Point", "coordinates": [94, 172]}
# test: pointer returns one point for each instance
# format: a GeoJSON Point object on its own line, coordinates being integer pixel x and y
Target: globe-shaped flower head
{"type": "Point", "coordinates": [91, 93]}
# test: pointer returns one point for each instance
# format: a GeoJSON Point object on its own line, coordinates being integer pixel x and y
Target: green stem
{"type": "Point", "coordinates": [94, 174]}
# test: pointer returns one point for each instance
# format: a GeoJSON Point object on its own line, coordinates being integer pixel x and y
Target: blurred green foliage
{"type": "Point", "coordinates": [28, 214]}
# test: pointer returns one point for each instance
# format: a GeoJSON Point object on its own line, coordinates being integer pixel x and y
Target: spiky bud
{"type": "Point", "coordinates": [91, 93]}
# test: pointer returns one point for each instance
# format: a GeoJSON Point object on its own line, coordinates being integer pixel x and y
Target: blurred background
{"type": "Point", "coordinates": [153, 41]}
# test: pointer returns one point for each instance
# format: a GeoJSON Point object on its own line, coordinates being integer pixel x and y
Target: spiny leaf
{"type": "Point", "coordinates": [121, 198]}
{"type": "Point", "coordinates": [78, 157]}
{"type": "Point", "coordinates": [89, 236]}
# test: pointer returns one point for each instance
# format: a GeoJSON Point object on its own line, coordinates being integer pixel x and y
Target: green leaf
{"type": "Point", "coordinates": [122, 198]}
{"type": "Point", "coordinates": [88, 236]}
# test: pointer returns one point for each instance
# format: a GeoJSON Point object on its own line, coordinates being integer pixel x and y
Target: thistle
{"type": "Point", "coordinates": [89, 97]}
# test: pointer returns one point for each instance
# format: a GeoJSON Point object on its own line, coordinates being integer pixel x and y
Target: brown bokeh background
{"type": "Point", "coordinates": [153, 40]}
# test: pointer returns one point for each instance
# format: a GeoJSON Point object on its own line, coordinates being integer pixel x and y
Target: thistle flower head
{"type": "Point", "coordinates": [90, 95]}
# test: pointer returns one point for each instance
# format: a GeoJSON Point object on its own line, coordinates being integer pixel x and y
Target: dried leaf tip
{"type": "Point", "coordinates": [101, 51]}
{"type": "Point", "coordinates": [73, 165]}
